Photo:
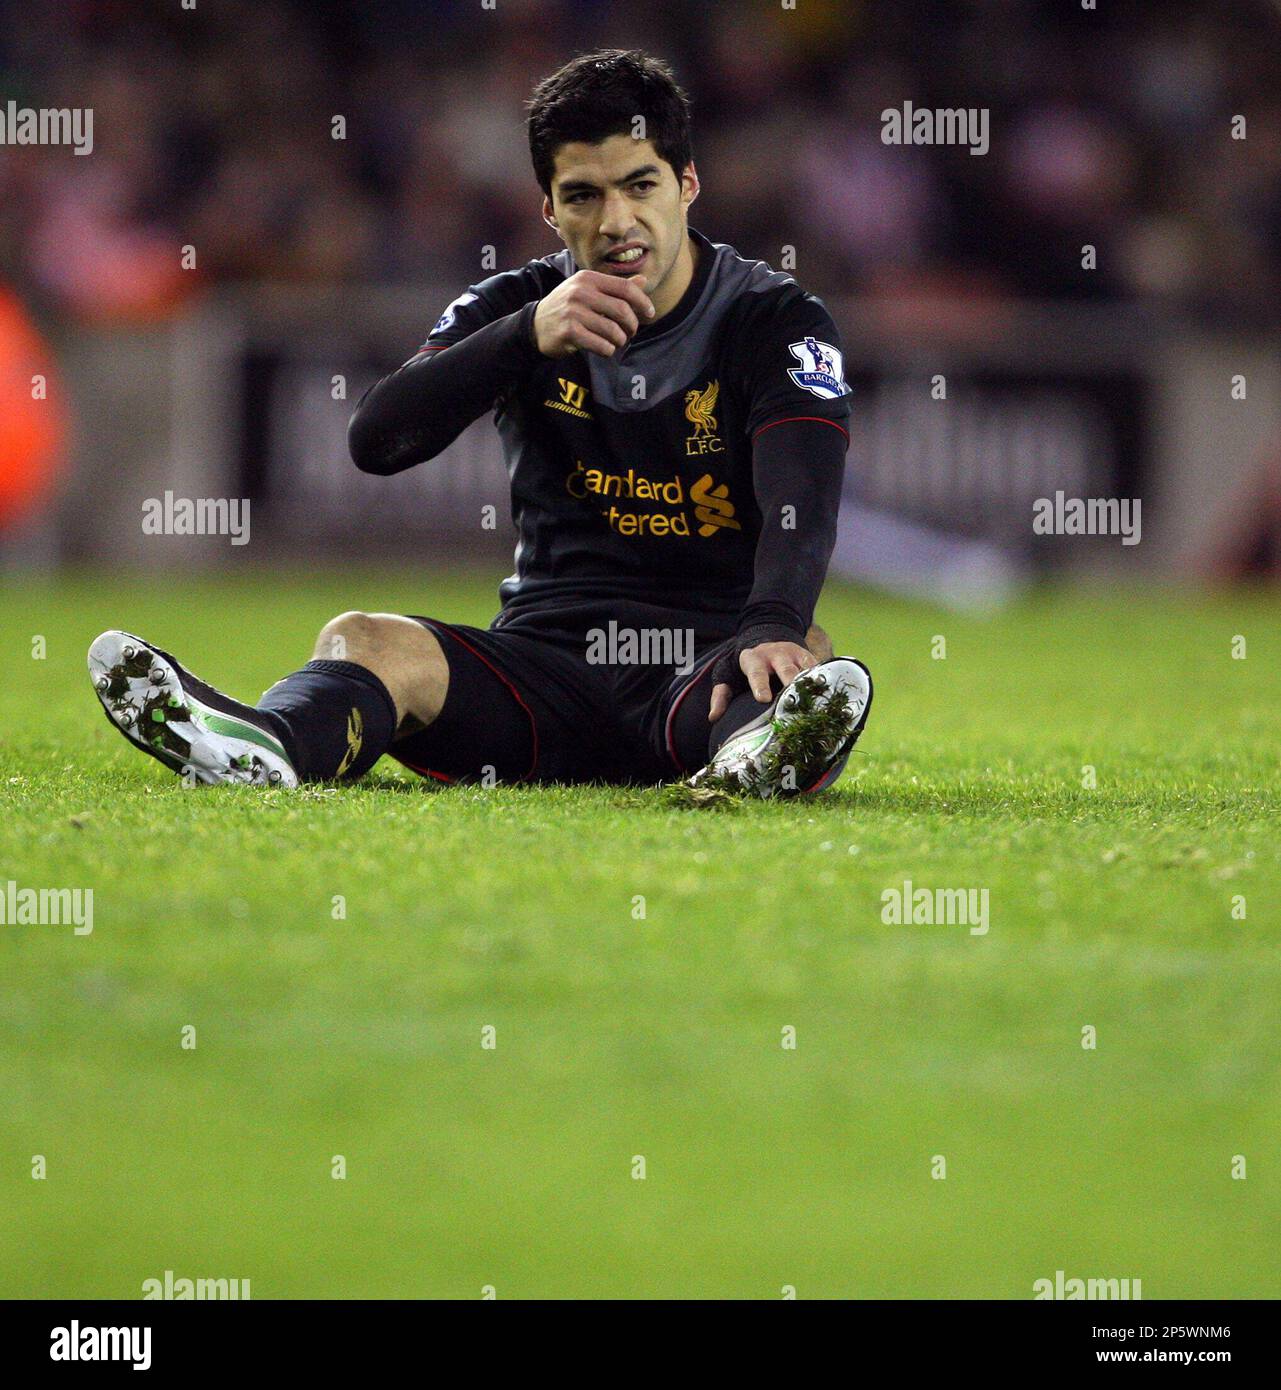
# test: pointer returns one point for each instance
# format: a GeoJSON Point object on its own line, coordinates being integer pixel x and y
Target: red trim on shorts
{"type": "Point", "coordinates": [676, 704]}
{"type": "Point", "coordinates": [822, 419]}
{"type": "Point", "coordinates": [533, 724]}
{"type": "Point", "coordinates": [424, 771]}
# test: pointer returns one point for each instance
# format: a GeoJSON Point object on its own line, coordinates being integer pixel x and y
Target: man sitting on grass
{"type": "Point", "coordinates": [674, 422]}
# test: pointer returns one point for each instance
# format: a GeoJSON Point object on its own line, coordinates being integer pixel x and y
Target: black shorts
{"type": "Point", "coordinates": [525, 703]}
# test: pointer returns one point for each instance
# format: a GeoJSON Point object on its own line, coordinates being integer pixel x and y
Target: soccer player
{"type": "Point", "coordinates": [674, 423]}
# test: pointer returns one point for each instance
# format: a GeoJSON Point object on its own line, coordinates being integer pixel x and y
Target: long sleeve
{"type": "Point", "coordinates": [797, 471]}
{"type": "Point", "coordinates": [422, 407]}
{"type": "Point", "coordinates": [798, 417]}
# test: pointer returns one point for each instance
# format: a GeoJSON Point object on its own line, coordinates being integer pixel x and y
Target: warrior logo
{"type": "Point", "coordinates": [355, 736]}
{"type": "Point", "coordinates": [573, 398]}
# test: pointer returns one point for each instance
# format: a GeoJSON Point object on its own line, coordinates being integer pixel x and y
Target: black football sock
{"type": "Point", "coordinates": [743, 708]}
{"type": "Point", "coordinates": [335, 718]}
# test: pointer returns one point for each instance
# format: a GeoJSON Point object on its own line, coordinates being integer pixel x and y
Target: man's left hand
{"type": "Point", "coordinates": [786, 660]}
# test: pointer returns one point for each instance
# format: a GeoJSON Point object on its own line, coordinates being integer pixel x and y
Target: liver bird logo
{"type": "Point", "coordinates": [700, 409]}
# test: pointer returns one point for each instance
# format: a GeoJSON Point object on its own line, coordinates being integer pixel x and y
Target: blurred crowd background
{"type": "Point", "coordinates": [213, 127]}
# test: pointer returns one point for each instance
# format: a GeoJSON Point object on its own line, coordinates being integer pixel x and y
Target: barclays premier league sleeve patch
{"type": "Point", "coordinates": [446, 320]}
{"type": "Point", "coordinates": [822, 370]}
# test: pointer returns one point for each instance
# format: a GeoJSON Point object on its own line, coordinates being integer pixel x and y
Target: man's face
{"type": "Point", "coordinates": [616, 196]}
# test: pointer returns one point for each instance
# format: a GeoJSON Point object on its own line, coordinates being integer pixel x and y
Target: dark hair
{"type": "Point", "coordinates": [597, 95]}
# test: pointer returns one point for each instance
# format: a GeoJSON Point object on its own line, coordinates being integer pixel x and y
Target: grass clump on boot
{"type": "Point", "coordinates": [800, 751]}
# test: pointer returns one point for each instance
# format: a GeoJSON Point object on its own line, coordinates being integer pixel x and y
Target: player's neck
{"type": "Point", "coordinates": [674, 287]}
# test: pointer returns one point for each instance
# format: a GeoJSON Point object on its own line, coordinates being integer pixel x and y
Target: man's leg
{"type": "Point", "coordinates": [690, 740]}
{"type": "Point", "coordinates": [401, 652]}
{"type": "Point", "coordinates": [519, 707]}
{"type": "Point", "coordinates": [744, 707]}
{"type": "Point", "coordinates": [819, 643]}
{"type": "Point", "coordinates": [800, 740]}
{"type": "Point", "coordinates": [373, 674]}
{"type": "Point", "coordinates": [813, 726]}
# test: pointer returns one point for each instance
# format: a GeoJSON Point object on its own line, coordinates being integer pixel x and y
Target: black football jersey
{"type": "Point", "coordinates": [631, 476]}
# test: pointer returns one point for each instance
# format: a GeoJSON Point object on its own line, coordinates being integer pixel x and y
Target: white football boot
{"type": "Point", "coordinates": [195, 730]}
{"type": "Point", "coordinates": [801, 743]}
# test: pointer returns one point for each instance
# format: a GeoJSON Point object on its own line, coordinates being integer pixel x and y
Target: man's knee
{"type": "Point", "coordinates": [402, 653]}
{"type": "Point", "coordinates": [347, 637]}
{"type": "Point", "coordinates": [818, 643]}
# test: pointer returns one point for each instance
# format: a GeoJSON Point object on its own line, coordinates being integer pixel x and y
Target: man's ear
{"type": "Point", "coordinates": [690, 185]}
{"type": "Point", "coordinates": [548, 216]}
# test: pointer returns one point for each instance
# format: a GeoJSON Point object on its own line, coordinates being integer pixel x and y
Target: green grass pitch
{"type": "Point", "coordinates": [766, 1167]}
